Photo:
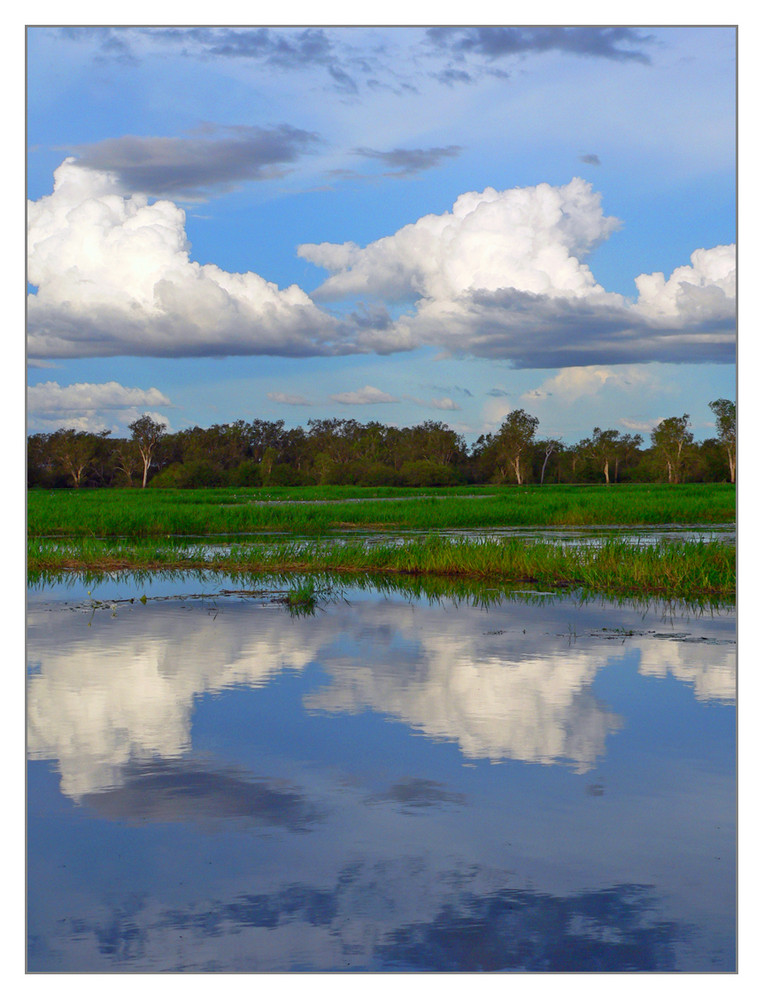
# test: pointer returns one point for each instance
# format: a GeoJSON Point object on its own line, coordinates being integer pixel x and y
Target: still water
{"type": "Point", "coordinates": [590, 535]}
{"type": "Point", "coordinates": [389, 783]}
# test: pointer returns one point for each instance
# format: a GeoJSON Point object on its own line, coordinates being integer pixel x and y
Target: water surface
{"type": "Point", "coordinates": [509, 782]}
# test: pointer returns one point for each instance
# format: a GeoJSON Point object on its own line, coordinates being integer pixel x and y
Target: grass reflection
{"type": "Point", "coordinates": [303, 594]}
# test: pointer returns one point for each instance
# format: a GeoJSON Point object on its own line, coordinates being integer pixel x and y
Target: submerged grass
{"type": "Point", "coordinates": [687, 570]}
{"type": "Point", "coordinates": [319, 510]}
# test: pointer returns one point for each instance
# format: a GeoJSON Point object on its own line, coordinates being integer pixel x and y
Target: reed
{"type": "Point", "coordinates": [669, 569]}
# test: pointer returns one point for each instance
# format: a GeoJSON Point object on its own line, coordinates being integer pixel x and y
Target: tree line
{"type": "Point", "coordinates": [336, 451]}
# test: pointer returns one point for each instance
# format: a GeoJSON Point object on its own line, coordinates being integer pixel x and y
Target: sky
{"type": "Point", "coordinates": [395, 224]}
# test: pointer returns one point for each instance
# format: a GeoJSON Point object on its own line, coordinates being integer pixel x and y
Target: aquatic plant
{"type": "Point", "coordinates": [679, 569]}
{"type": "Point", "coordinates": [302, 599]}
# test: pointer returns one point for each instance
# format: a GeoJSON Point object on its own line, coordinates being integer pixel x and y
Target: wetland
{"type": "Point", "coordinates": [383, 750]}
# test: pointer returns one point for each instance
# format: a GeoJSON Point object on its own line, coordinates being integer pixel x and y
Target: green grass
{"type": "Point", "coordinates": [148, 530]}
{"type": "Point", "coordinates": [687, 570]}
{"type": "Point", "coordinates": [302, 597]}
{"type": "Point", "coordinates": [156, 513]}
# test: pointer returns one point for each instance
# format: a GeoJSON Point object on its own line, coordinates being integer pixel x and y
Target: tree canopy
{"type": "Point", "coordinates": [725, 412]}
{"type": "Point", "coordinates": [261, 452]}
{"type": "Point", "coordinates": [147, 433]}
{"type": "Point", "coordinates": [670, 438]}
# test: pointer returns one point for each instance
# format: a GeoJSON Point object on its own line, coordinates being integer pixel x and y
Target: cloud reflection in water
{"type": "Point", "coordinates": [220, 835]}
{"type": "Point", "coordinates": [173, 791]}
{"type": "Point", "coordinates": [121, 694]}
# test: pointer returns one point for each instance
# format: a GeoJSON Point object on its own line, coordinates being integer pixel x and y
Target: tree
{"type": "Point", "coordinates": [127, 460]}
{"type": "Point", "coordinates": [550, 445]}
{"type": "Point", "coordinates": [609, 449]}
{"type": "Point", "coordinates": [725, 412]}
{"type": "Point", "coordinates": [669, 439]}
{"type": "Point", "coordinates": [323, 466]}
{"type": "Point", "coordinates": [74, 451]}
{"type": "Point", "coordinates": [147, 434]}
{"type": "Point", "coordinates": [601, 447]}
{"type": "Point", "coordinates": [264, 434]}
{"type": "Point", "coordinates": [436, 442]}
{"type": "Point", "coordinates": [372, 442]}
{"type": "Point", "coordinates": [40, 462]}
{"type": "Point", "coordinates": [334, 437]}
{"type": "Point", "coordinates": [266, 464]}
{"type": "Point", "coordinates": [627, 448]}
{"type": "Point", "coordinates": [294, 448]}
{"type": "Point", "coordinates": [514, 437]}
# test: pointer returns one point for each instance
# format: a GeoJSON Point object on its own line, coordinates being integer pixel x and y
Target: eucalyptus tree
{"type": "Point", "coordinates": [725, 412]}
{"type": "Point", "coordinates": [392, 451]}
{"type": "Point", "coordinates": [147, 433]}
{"type": "Point", "coordinates": [74, 451]}
{"type": "Point", "coordinates": [434, 441]}
{"type": "Point", "coordinates": [601, 448]}
{"type": "Point", "coordinates": [40, 463]}
{"type": "Point", "coordinates": [513, 439]}
{"type": "Point", "coordinates": [263, 434]}
{"type": "Point", "coordinates": [227, 445]}
{"type": "Point", "coordinates": [550, 446]}
{"type": "Point", "coordinates": [294, 448]}
{"type": "Point", "coordinates": [670, 438]}
{"type": "Point", "coordinates": [333, 436]}
{"type": "Point", "coordinates": [608, 449]}
{"type": "Point", "coordinates": [372, 442]}
{"type": "Point", "coordinates": [628, 446]}
{"type": "Point", "coordinates": [127, 460]}
{"type": "Point", "coordinates": [266, 464]}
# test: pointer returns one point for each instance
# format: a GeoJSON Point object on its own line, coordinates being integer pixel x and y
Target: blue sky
{"type": "Point", "coordinates": [393, 224]}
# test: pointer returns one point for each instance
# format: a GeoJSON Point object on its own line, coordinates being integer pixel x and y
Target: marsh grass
{"type": "Point", "coordinates": [669, 569]}
{"type": "Point", "coordinates": [318, 511]}
{"type": "Point", "coordinates": [302, 598]}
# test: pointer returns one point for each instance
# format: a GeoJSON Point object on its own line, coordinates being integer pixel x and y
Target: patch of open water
{"type": "Point", "coordinates": [590, 535]}
{"type": "Point", "coordinates": [388, 783]}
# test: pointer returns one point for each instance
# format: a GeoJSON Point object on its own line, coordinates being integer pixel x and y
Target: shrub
{"type": "Point", "coordinates": [246, 474]}
{"type": "Point", "coordinates": [428, 473]}
{"type": "Point", "coordinates": [189, 475]}
{"type": "Point", "coordinates": [285, 475]}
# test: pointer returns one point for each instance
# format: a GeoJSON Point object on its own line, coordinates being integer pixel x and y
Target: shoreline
{"type": "Point", "coordinates": [682, 570]}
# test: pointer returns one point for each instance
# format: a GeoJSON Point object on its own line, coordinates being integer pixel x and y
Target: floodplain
{"type": "Point", "coordinates": [395, 748]}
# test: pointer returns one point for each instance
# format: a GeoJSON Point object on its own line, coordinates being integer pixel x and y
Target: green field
{"type": "Point", "coordinates": [317, 510]}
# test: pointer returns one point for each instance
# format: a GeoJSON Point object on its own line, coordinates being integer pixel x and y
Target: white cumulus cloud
{"type": "Point", "coordinates": [90, 406]}
{"type": "Point", "coordinates": [572, 384]}
{"type": "Point", "coordinates": [361, 397]}
{"type": "Point", "coordinates": [529, 239]}
{"type": "Point", "coordinates": [288, 398]}
{"type": "Point", "coordinates": [705, 286]}
{"type": "Point", "coordinates": [632, 424]}
{"type": "Point", "coordinates": [444, 403]}
{"type": "Point", "coordinates": [114, 276]}
{"type": "Point", "coordinates": [494, 411]}
{"type": "Point", "coordinates": [502, 275]}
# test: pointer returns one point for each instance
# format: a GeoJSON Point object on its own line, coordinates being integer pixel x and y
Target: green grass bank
{"type": "Point", "coordinates": [150, 513]}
